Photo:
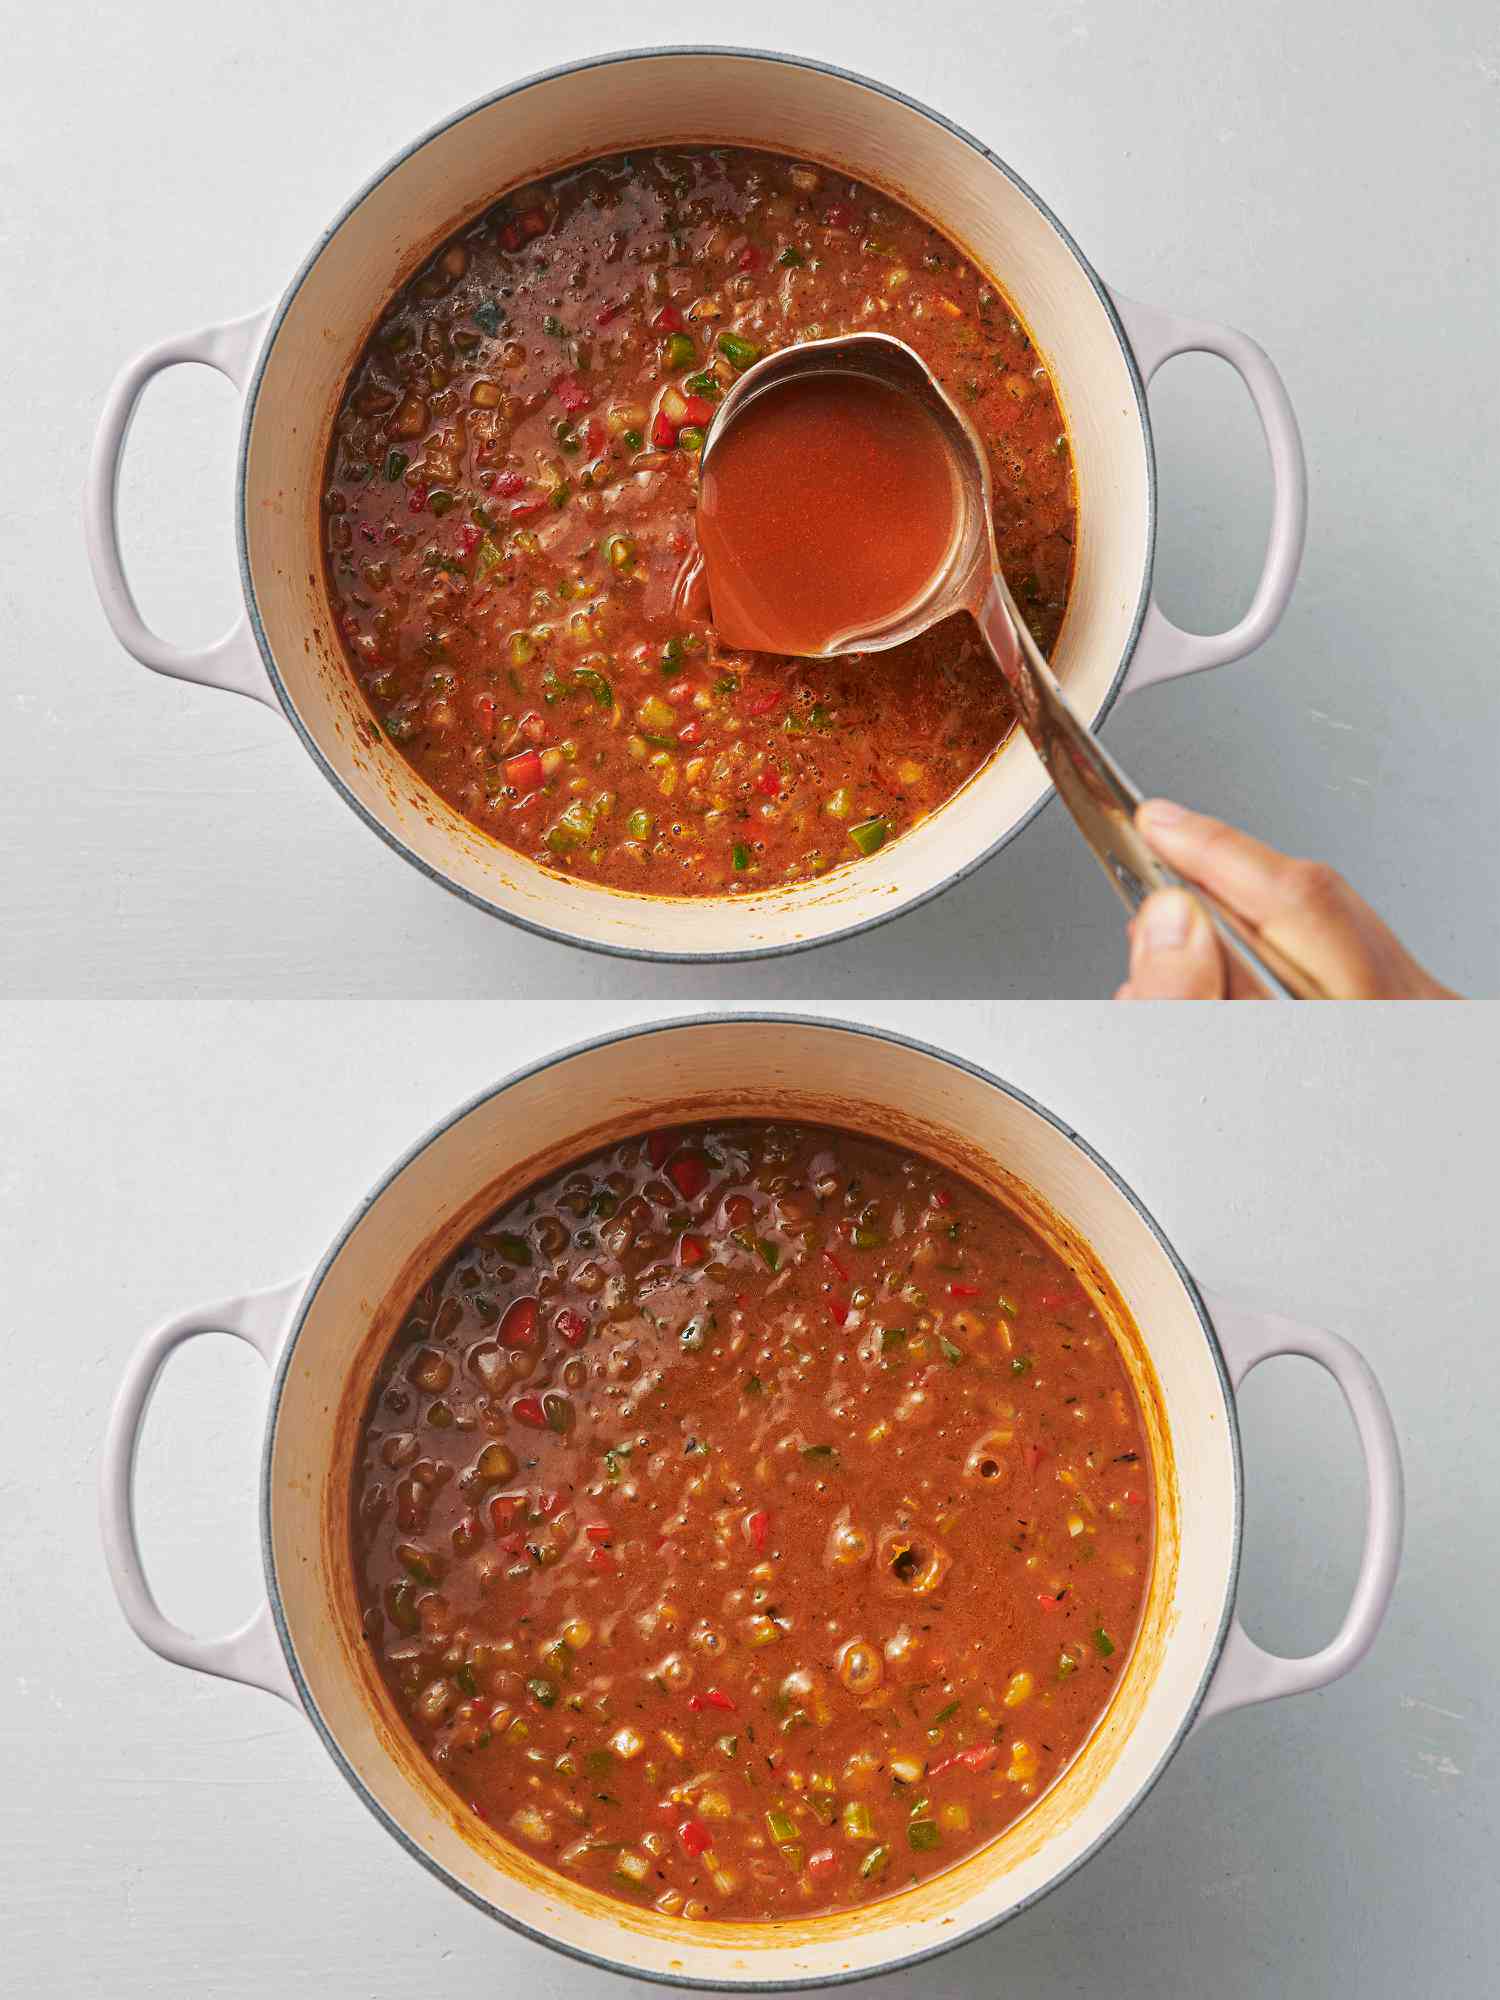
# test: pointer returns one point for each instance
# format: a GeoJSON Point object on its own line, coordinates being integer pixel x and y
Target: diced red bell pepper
{"type": "Point", "coordinates": [416, 500]}
{"type": "Point", "coordinates": [571, 393]}
{"type": "Point", "coordinates": [1050, 1300]}
{"type": "Point", "coordinates": [838, 1264]}
{"type": "Point", "coordinates": [572, 1326]}
{"type": "Point", "coordinates": [679, 693]}
{"type": "Point", "coordinates": [979, 1758]}
{"type": "Point", "coordinates": [688, 1173]}
{"type": "Point", "coordinates": [527, 510]}
{"type": "Point", "coordinates": [691, 733]}
{"type": "Point", "coordinates": [764, 700]}
{"type": "Point", "coordinates": [963, 1291]}
{"type": "Point", "coordinates": [469, 538]}
{"type": "Point", "coordinates": [758, 1528]}
{"type": "Point", "coordinates": [663, 431]}
{"type": "Point", "coordinates": [748, 258]}
{"type": "Point", "coordinates": [528, 1410]}
{"type": "Point", "coordinates": [695, 1837]}
{"type": "Point", "coordinates": [525, 771]}
{"type": "Point", "coordinates": [534, 222]}
{"type": "Point", "coordinates": [484, 713]}
{"type": "Point", "coordinates": [769, 782]}
{"type": "Point", "coordinates": [838, 1312]}
{"type": "Point", "coordinates": [657, 1148]}
{"type": "Point", "coordinates": [1049, 1603]}
{"type": "Point", "coordinates": [838, 215]}
{"type": "Point", "coordinates": [1033, 1455]}
{"type": "Point", "coordinates": [712, 1698]}
{"type": "Point", "coordinates": [823, 1862]}
{"type": "Point", "coordinates": [548, 1503]}
{"type": "Point", "coordinates": [600, 1533]}
{"type": "Point", "coordinates": [942, 1198]}
{"type": "Point", "coordinates": [593, 436]}
{"type": "Point", "coordinates": [1133, 1498]}
{"type": "Point", "coordinates": [508, 483]}
{"type": "Point", "coordinates": [505, 1510]}
{"type": "Point", "coordinates": [518, 1328]}
{"type": "Point", "coordinates": [699, 410]}
{"type": "Point", "coordinates": [691, 1250]}
{"type": "Point", "coordinates": [608, 312]}
{"type": "Point", "coordinates": [602, 1561]}
{"type": "Point", "coordinates": [668, 320]}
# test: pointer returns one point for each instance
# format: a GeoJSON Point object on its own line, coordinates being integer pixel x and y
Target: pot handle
{"type": "Point", "coordinates": [1164, 651]}
{"type": "Point", "coordinates": [1246, 1673]}
{"type": "Point", "coordinates": [252, 1654]}
{"type": "Point", "coordinates": [234, 661]}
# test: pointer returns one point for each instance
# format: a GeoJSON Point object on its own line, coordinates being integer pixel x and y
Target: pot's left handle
{"type": "Point", "coordinates": [234, 661]}
{"type": "Point", "coordinates": [1164, 652]}
{"type": "Point", "coordinates": [1246, 1673]}
{"type": "Point", "coordinates": [252, 1654]}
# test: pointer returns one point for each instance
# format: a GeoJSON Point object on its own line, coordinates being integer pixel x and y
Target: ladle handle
{"type": "Point", "coordinates": [1104, 802]}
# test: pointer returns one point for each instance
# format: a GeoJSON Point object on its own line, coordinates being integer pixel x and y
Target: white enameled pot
{"type": "Point", "coordinates": [323, 1337]}
{"type": "Point", "coordinates": [290, 363]}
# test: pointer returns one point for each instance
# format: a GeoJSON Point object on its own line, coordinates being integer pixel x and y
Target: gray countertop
{"type": "Point", "coordinates": [1322, 175]}
{"type": "Point", "coordinates": [162, 1834]}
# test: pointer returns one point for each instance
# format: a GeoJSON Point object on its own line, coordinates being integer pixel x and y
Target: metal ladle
{"type": "Point", "coordinates": [1095, 790]}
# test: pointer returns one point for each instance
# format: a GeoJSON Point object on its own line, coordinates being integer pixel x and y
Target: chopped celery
{"type": "Point", "coordinates": [737, 352]}
{"type": "Point", "coordinates": [574, 827]}
{"type": "Point", "coordinates": [592, 682]}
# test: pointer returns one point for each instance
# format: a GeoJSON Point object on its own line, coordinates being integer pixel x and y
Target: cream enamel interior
{"type": "Point", "coordinates": [636, 100]}
{"type": "Point", "coordinates": [794, 1069]}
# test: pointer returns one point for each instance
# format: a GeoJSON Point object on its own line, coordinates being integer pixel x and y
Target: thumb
{"type": "Point", "coordinates": [1174, 954]}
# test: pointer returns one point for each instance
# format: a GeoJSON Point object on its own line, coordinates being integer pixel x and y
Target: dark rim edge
{"type": "Point", "coordinates": [540, 1066]}
{"type": "Point", "coordinates": [392, 839]}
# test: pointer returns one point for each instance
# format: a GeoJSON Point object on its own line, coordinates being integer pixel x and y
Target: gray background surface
{"type": "Point", "coordinates": [1321, 174]}
{"type": "Point", "coordinates": [166, 1835]}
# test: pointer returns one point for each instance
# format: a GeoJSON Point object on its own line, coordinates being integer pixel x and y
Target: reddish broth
{"type": "Point", "coordinates": [751, 1521]}
{"type": "Point", "coordinates": [509, 511]}
{"type": "Point", "coordinates": [826, 509]}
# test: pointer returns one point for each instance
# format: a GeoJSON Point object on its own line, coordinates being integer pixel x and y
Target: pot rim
{"type": "Point", "coordinates": [759, 1018]}
{"type": "Point", "coordinates": [252, 604]}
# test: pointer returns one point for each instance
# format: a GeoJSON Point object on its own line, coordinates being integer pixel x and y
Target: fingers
{"type": "Point", "coordinates": [1174, 954]}
{"type": "Point", "coordinates": [1306, 909]}
{"type": "Point", "coordinates": [1253, 879]}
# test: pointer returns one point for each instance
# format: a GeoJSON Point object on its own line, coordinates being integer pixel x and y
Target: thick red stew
{"type": "Point", "coordinates": [751, 1521]}
{"type": "Point", "coordinates": [509, 523]}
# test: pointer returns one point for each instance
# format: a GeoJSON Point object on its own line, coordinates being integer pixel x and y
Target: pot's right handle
{"type": "Point", "coordinates": [234, 661]}
{"type": "Point", "coordinates": [1164, 651]}
{"type": "Point", "coordinates": [1246, 1672]}
{"type": "Point", "coordinates": [252, 1654]}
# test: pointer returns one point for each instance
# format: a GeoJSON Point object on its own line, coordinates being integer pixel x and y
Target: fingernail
{"type": "Point", "coordinates": [1165, 921]}
{"type": "Point", "coordinates": [1161, 812]}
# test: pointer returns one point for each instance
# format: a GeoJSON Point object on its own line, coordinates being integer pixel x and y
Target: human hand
{"type": "Point", "coordinates": [1305, 908]}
